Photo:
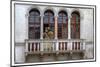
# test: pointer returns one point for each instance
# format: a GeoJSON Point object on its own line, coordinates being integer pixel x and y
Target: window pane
{"type": "Point", "coordinates": [75, 25]}
{"type": "Point", "coordinates": [34, 25]}
{"type": "Point", "coordinates": [62, 25]}
{"type": "Point", "coordinates": [48, 25]}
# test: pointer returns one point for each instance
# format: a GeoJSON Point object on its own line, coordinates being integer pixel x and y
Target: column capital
{"type": "Point", "coordinates": [26, 15]}
{"type": "Point", "coordinates": [56, 17]}
{"type": "Point", "coordinates": [41, 15]}
{"type": "Point", "coordinates": [69, 17]}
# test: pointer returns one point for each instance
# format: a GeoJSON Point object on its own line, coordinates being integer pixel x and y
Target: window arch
{"type": "Point", "coordinates": [62, 25]}
{"type": "Point", "coordinates": [34, 24]}
{"type": "Point", "coordinates": [48, 24]}
{"type": "Point", "coordinates": [75, 25]}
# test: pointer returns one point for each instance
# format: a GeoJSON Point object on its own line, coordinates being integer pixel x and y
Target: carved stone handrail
{"type": "Point", "coordinates": [54, 45]}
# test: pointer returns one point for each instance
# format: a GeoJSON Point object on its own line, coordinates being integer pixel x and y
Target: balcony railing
{"type": "Point", "coordinates": [54, 46]}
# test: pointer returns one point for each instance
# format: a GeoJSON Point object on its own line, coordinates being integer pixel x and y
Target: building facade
{"type": "Point", "coordinates": [49, 32]}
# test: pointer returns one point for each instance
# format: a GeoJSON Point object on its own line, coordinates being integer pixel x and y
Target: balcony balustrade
{"type": "Point", "coordinates": [54, 46]}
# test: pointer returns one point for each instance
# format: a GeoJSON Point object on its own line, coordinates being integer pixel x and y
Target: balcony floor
{"type": "Point", "coordinates": [32, 58]}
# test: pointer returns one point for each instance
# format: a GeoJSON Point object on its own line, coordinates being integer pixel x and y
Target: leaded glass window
{"type": "Point", "coordinates": [75, 25]}
{"type": "Point", "coordinates": [48, 24]}
{"type": "Point", "coordinates": [62, 25]}
{"type": "Point", "coordinates": [34, 24]}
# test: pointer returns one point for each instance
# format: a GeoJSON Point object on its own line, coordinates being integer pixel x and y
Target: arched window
{"type": "Point", "coordinates": [62, 25]}
{"type": "Point", "coordinates": [75, 25]}
{"type": "Point", "coordinates": [48, 24]}
{"type": "Point", "coordinates": [34, 24]}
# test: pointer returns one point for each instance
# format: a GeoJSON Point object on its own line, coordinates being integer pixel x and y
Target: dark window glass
{"type": "Point", "coordinates": [48, 24]}
{"type": "Point", "coordinates": [75, 25]}
{"type": "Point", "coordinates": [62, 25]}
{"type": "Point", "coordinates": [34, 24]}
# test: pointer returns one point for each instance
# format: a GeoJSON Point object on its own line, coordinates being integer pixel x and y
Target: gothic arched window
{"type": "Point", "coordinates": [62, 25]}
{"type": "Point", "coordinates": [34, 24]}
{"type": "Point", "coordinates": [48, 23]}
{"type": "Point", "coordinates": [75, 25]}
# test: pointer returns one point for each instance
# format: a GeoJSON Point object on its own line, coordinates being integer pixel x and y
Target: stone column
{"type": "Point", "coordinates": [69, 27]}
{"type": "Point", "coordinates": [56, 28]}
{"type": "Point", "coordinates": [69, 31]}
{"type": "Point", "coordinates": [41, 27]}
{"type": "Point", "coordinates": [41, 33]}
{"type": "Point", "coordinates": [56, 32]}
